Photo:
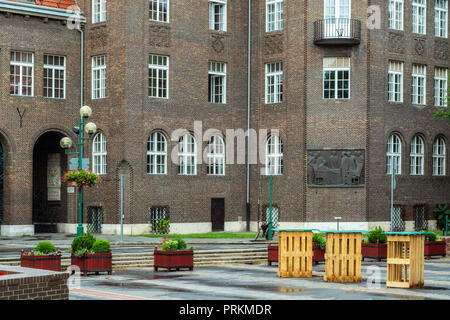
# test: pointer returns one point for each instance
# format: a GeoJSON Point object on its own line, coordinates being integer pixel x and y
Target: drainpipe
{"type": "Point", "coordinates": [249, 47]}
{"type": "Point", "coordinates": [82, 65]}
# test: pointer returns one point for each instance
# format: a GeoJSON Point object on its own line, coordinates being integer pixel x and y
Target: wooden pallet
{"type": "Point", "coordinates": [343, 257]}
{"type": "Point", "coordinates": [296, 254]}
{"type": "Point", "coordinates": [405, 261]}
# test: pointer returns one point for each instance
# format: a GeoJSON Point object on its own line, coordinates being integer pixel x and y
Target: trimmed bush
{"type": "Point", "coordinates": [181, 244]}
{"type": "Point", "coordinates": [170, 245]}
{"type": "Point", "coordinates": [377, 235]}
{"type": "Point", "coordinates": [431, 237]}
{"type": "Point", "coordinates": [318, 240]}
{"type": "Point", "coordinates": [101, 246]}
{"type": "Point", "coordinates": [84, 242]}
{"type": "Point", "coordinates": [45, 248]}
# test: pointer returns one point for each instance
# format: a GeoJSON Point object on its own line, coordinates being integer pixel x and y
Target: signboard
{"type": "Point", "coordinates": [70, 189]}
{"type": "Point", "coordinates": [73, 164]}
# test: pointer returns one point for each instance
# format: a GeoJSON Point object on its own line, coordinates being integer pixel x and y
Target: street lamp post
{"type": "Point", "coordinates": [66, 143]}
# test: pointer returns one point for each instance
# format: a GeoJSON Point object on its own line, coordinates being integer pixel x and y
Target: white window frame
{"type": "Point", "coordinates": [159, 10]}
{"type": "Point", "coordinates": [441, 18]}
{"type": "Point", "coordinates": [274, 79]}
{"type": "Point", "coordinates": [337, 15]}
{"type": "Point", "coordinates": [439, 157]}
{"type": "Point", "coordinates": [52, 68]}
{"type": "Point", "coordinates": [336, 70]}
{"type": "Point", "coordinates": [221, 23]}
{"type": "Point", "coordinates": [99, 77]}
{"type": "Point", "coordinates": [396, 14]}
{"type": "Point", "coordinates": [98, 11]}
{"type": "Point", "coordinates": [22, 65]}
{"type": "Point", "coordinates": [440, 87]}
{"type": "Point", "coordinates": [274, 155]}
{"type": "Point", "coordinates": [274, 15]}
{"type": "Point", "coordinates": [157, 150]}
{"type": "Point", "coordinates": [419, 84]}
{"type": "Point", "coordinates": [217, 70]}
{"type": "Point", "coordinates": [395, 80]}
{"type": "Point", "coordinates": [394, 150]}
{"type": "Point", "coordinates": [99, 152]}
{"type": "Point", "coordinates": [419, 16]}
{"type": "Point", "coordinates": [162, 68]}
{"type": "Point", "coordinates": [216, 156]}
{"type": "Point", "coordinates": [187, 155]}
{"type": "Point", "coordinates": [417, 156]}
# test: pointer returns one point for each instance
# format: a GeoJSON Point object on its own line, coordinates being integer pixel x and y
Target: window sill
{"type": "Point", "coordinates": [20, 96]}
{"type": "Point", "coordinates": [157, 21]}
{"type": "Point", "coordinates": [158, 98]}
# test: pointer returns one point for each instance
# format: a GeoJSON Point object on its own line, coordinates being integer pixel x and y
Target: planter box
{"type": "Point", "coordinates": [435, 248]}
{"type": "Point", "coordinates": [93, 263]}
{"type": "Point", "coordinates": [318, 255]}
{"type": "Point", "coordinates": [51, 262]}
{"type": "Point", "coordinates": [272, 254]}
{"type": "Point", "coordinates": [173, 259]}
{"type": "Point", "coordinates": [377, 251]}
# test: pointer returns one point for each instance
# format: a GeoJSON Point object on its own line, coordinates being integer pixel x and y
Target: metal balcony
{"type": "Point", "coordinates": [340, 31]}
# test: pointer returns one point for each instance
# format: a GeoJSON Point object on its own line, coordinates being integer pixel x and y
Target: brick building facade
{"type": "Point", "coordinates": [318, 74]}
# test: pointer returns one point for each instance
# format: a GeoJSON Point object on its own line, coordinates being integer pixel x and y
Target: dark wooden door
{"type": "Point", "coordinates": [218, 214]}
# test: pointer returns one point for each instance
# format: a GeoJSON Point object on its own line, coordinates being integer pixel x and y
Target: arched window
{"type": "Point", "coordinates": [274, 156]}
{"type": "Point", "coordinates": [187, 155]}
{"type": "Point", "coordinates": [439, 157]}
{"type": "Point", "coordinates": [417, 155]}
{"type": "Point", "coordinates": [216, 156]}
{"type": "Point", "coordinates": [394, 154]}
{"type": "Point", "coordinates": [99, 154]}
{"type": "Point", "coordinates": [157, 153]}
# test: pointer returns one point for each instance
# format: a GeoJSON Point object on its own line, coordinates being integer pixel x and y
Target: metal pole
{"type": "Point", "coordinates": [270, 209]}
{"type": "Point", "coordinates": [392, 191]}
{"type": "Point", "coordinates": [122, 182]}
{"type": "Point", "coordinates": [446, 225]}
{"type": "Point", "coordinates": [80, 230]}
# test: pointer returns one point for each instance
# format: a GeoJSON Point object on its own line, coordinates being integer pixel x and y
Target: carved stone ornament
{"type": "Point", "coordinates": [98, 38]}
{"type": "Point", "coordinates": [159, 36]}
{"type": "Point", "coordinates": [419, 46]}
{"type": "Point", "coordinates": [441, 49]}
{"type": "Point", "coordinates": [273, 44]}
{"type": "Point", "coordinates": [396, 43]}
{"type": "Point", "coordinates": [217, 43]}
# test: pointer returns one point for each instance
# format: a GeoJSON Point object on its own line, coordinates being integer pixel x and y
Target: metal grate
{"type": "Point", "coordinates": [157, 214]}
{"type": "Point", "coordinates": [398, 219]}
{"type": "Point", "coordinates": [420, 217]}
{"type": "Point", "coordinates": [95, 219]}
{"type": "Point", "coordinates": [275, 215]}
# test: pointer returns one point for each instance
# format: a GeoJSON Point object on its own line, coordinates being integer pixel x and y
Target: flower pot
{"type": "Point", "coordinates": [49, 262]}
{"type": "Point", "coordinates": [272, 256]}
{"type": "Point", "coordinates": [435, 248]}
{"type": "Point", "coordinates": [318, 254]}
{"type": "Point", "coordinates": [93, 263]}
{"type": "Point", "coordinates": [173, 259]}
{"type": "Point", "coordinates": [375, 251]}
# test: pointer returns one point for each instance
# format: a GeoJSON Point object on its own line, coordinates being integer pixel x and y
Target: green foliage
{"type": "Point", "coordinates": [85, 241]}
{"type": "Point", "coordinates": [44, 248]}
{"type": "Point", "coordinates": [174, 245]}
{"type": "Point", "coordinates": [80, 253]}
{"type": "Point", "coordinates": [101, 246]}
{"type": "Point", "coordinates": [162, 226]}
{"type": "Point", "coordinates": [445, 114]}
{"type": "Point", "coordinates": [441, 210]}
{"type": "Point", "coordinates": [81, 178]}
{"type": "Point", "coordinates": [377, 235]}
{"type": "Point", "coordinates": [319, 240]}
{"type": "Point", "coordinates": [431, 236]}
{"type": "Point", "coordinates": [181, 244]}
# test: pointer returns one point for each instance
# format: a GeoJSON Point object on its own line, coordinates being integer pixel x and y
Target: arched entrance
{"type": "Point", "coordinates": [49, 200]}
{"type": "Point", "coordinates": [1, 182]}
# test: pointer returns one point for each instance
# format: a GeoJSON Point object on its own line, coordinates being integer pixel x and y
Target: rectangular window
{"type": "Point", "coordinates": [395, 81]}
{"type": "Point", "coordinates": [54, 76]}
{"type": "Point", "coordinates": [419, 16]}
{"type": "Point", "coordinates": [217, 82]}
{"type": "Point", "coordinates": [336, 78]}
{"type": "Point", "coordinates": [274, 82]}
{"type": "Point", "coordinates": [158, 75]}
{"type": "Point", "coordinates": [440, 87]}
{"type": "Point", "coordinates": [159, 10]}
{"type": "Point", "coordinates": [218, 15]}
{"type": "Point", "coordinates": [98, 11]}
{"type": "Point", "coordinates": [441, 18]}
{"type": "Point", "coordinates": [274, 15]}
{"type": "Point", "coordinates": [99, 77]}
{"type": "Point", "coordinates": [21, 73]}
{"type": "Point", "coordinates": [419, 84]}
{"type": "Point", "coordinates": [396, 14]}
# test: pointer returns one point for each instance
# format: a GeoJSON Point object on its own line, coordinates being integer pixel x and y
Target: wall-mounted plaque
{"type": "Point", "coordinates": [54, 177]}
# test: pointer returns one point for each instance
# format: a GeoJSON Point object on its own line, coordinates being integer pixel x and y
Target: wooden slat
{"type": "Point", "coordinates": [295, 255]}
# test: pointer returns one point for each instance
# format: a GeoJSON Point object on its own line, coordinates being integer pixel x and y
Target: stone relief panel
{"type": "Point", "coordinates": [54, 177]}
{"type": "Point", "coordinates": [98, 38]}
{"type": "Point", "coordinates": [396, 43]}
{"type": "Point", "coordinates": [159, 36]}
{"type": "Point", "coordinates": [217, 43]}
{"type": "Point", "coordinates": [419, 46]}
{"type": "Point", "coordinates": [273, 44]}
{"type": "Point", "coordinates": [336, 167]}
{"type": "Point", "coordinates": [441, 49]}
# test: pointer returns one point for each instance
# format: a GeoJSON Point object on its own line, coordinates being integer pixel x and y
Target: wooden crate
{"type": "Point", "coordinates": [405, 260]}
{"type": "Point", "coordinates": [295, 257]}
{"type": "Point", "coordinates": [343, 257]}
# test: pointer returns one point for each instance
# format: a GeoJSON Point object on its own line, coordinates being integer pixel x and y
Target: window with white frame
{"type": "Point", "coordinates": [99, 77]}
{"type": "Point", "coordinates": [336, 78]}
{"type": "Point", "coordinates": [337, 15]}
{"type": "Point", "coordinates": [419, 16]}
{"type": "Point", "coordinates": [157, 153]}
{"type": "Point", "coordinates": [217, 82]}
{"type": "Point", "coordinates": [218, 15]}
{"type": "Point", "coordinates": [274, 15]}
{"type": "Point", "coordinates": [187, 155]}
{"type": "Point", "coordinates": [54, 76]}
{"type": "Point", "coordinates": [274, 155]}
{"type": "Point", "coordinates": [417, 155]}
{"type": "Point", "coordinates": [98, 11]}
{"type": "Point", "coordinates": [21, 73]}
{"type": "Point", "coordinates": [441, 18]}
{"type": "Point", "coordinates": [99, 154]}
{"type": "Point", "coordinates": [440, 87]}
{"type": "Point", "coordinates": [158, 76]}
{"type": "Point", "coordinates": [395, 81]}
{"type": "Point", "coordinates": [396, 14]}
{"type": "Point", "coordinates": [394, 154]}
{"type": "Point", "coordinates": [159, 10]}
{"type": "Point", "coordinates": [439, 157]}
{"type": "Point", "coordinates": [216, 156]}
{"type": "Point", "coordinates": [419, 84]}
{"type": "Point", "coordinates": [274, 82]}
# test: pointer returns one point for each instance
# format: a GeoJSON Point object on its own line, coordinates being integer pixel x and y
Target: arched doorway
{"type": "Point", "coordinates": [49, 200]}
{"type": "Point", "coordinates": [1, 182]}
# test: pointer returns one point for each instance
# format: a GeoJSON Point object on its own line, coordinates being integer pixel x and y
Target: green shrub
{"type": "Point", "coordinates": [44, 248]}
{"type": "Point", "coordinates": [101, 246]}
{"type": "Point", "coordinates": [181, 244]}
{"type": "Point", "coordinates": [430, 236]}
{"type": "Point", "coordinates": [85, 241]}
{"type": "Point", "coordinates": [319, 240]}
{"type": "Point", "coordinates": [162, 226]}
{"type": "Point", "coordinates": [170, 245]}
{"type": "Point", "coordinates": [377, 235]}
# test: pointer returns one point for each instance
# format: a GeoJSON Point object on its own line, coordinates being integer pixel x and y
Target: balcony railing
{"type": "Point", "coordinates": [337, 31]}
